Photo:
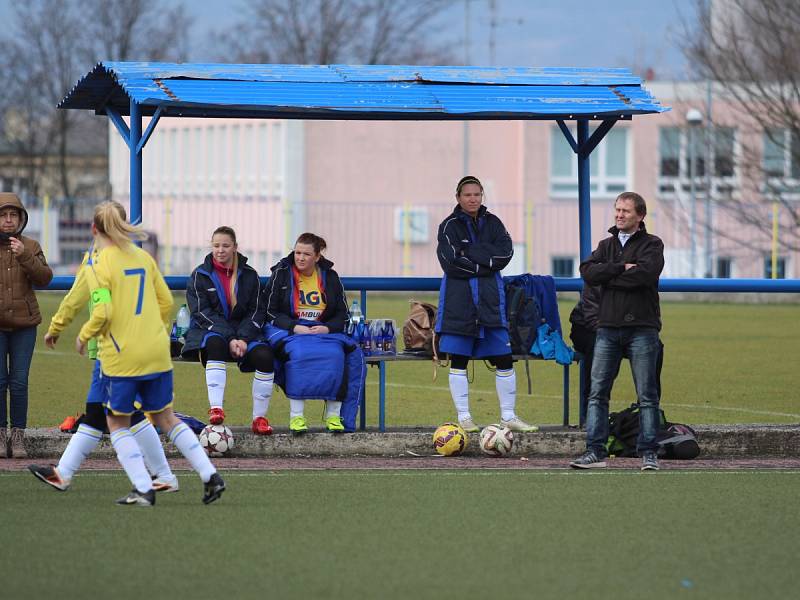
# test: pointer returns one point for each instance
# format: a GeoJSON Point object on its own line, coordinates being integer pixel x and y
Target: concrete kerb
{"type": "Point", "coordinates": [719, 441]}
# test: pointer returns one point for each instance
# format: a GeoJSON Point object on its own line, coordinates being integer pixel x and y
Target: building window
{"type": "Point", "coordinates": [563, 266]}
{"type": "Point", "coordinates": [724, 267]}
{"type": "Point", "coordinates": [677, 148]}
{"type": "Point", "coordinates": [609, 165]}
{"type": "Point", "coordinates": [781, 161]}
{"type": "Point", "coordinates": [781, 267]}
{"type": "Point", "coordinates": [669, 145]}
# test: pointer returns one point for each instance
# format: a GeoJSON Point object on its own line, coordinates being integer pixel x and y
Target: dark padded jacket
{"type": "Point", "coordinates": [277, 297]}
{"type": "Point", "coordinates": [587, 311]}
{"type": "Point", "coordinates": [472, 252]}
{"type": "Point", "coordinates": [629, 298]}
{"type": "Point", "coordinates": [209, 308]}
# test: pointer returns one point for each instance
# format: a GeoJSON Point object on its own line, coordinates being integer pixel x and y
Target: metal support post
{"type": "Point", "coordinates": [136, 165]}
{"type": "Point", "coordinates": [584, 206]}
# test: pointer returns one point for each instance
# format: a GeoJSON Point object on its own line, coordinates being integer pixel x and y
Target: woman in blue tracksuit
{"type": "Point", "coordinates": [473, 247]}
{"type": "Point", "coordinates": [306, 312]}
{"type": "Point", "coordinates": [223, 295]}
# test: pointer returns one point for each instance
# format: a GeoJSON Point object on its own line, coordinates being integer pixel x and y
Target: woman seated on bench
{"type": "Point", "coordinates": [222, 295]}
{"type": "Point", "coordinates": [306, 312]}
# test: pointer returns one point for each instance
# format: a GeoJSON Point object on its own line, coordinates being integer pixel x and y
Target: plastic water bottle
{"type": "Point", "coordinates": [182, 322]}
{"type": "Point", "coordinates": [376, 332]}
{"type": "Point", "coordinates": [356, 317]}
{"type": "Point", "coordinates": [389, 344]}
{"type": "Point", "coordinates": [366, 338]}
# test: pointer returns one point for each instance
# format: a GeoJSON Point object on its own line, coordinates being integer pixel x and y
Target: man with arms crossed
{"type": "Point", "coordinates": [627, 266]}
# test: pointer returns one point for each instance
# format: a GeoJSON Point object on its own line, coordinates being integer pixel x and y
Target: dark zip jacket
{"type": "Point", "coordinates": [629, 298]}
{"type": "Point", "coordinates": [278, 297]}
{"type": "Point", "coordinates": [472, 252]}
{"type": "Point", "coordinates": [209, 308]}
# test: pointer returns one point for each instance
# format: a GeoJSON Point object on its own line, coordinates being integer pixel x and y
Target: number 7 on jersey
{"type": "Point", "coordinates": [140, 273]}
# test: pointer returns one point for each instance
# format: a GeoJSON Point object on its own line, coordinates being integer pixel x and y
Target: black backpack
{"type": "Point", "coordinates": [623, 430]}
{"type": "Point", "coordinates": [675, 440]}
{"type": "Point", "coordinates": [524, 317]}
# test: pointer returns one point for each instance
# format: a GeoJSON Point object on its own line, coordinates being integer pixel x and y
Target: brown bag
{"type": "Point", "coordinates": [418, 329]}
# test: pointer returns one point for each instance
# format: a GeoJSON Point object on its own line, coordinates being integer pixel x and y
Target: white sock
{"type": "Point", "coordinates": [296, 408]}
{"type": "Point", "coordinates": [333, 408]}
{"type": "Point", "coordinates": [188, 444]}
{"type": "Point", "coordinates": [505, 382]}
{"type": "Point", "coordinates": [152, 451]}
{"type": "Point", "coordinates": [81, 445]}
{"type": "Point", "coordinates": [262, 392]}
{"type": "Point", "coordinates": [215, 382]}
{"type": "Point", "coordinates": [459, 390]}
{"type": "Point", "coordinates": [130, 457]}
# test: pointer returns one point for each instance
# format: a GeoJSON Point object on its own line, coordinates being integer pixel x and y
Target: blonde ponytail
{"type": "Point", "coordinates": [109, 218]}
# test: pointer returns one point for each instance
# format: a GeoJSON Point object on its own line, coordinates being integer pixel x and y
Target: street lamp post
{"type": "Point", "coordinates": [694, 118]}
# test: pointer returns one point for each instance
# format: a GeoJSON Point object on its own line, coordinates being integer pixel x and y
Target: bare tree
{"type": "Point", "coordinates": [336, 31]}
{"type": "Point", "coordinates": [750, 49]}
{"type": "Point", "coordinates": [49, 45]}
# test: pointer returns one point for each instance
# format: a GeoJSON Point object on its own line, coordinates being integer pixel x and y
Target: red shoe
{"type": "Point", "coordinates": [261, 426]}
{"type": "Point", "coordinates": [67, 424]}
{"type": "Point", "coordinates": [216, 415]}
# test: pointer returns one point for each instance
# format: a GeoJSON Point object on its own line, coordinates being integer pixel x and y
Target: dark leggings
{"type": "Point", "coordinates": [503, 362]}
{"type": "Point", "coordinates": [259, 358]}
{"type": "Point", "coordinates": [95, 416]}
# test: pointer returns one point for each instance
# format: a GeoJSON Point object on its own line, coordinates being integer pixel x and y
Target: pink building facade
{"type": "Point", "coordinates": [376, 191]}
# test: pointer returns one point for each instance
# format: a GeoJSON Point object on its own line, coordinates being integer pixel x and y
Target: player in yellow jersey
{"type": "Point", "coordinates": [130, 314]}
{"type": "Point", "coordinates": [90, 430]}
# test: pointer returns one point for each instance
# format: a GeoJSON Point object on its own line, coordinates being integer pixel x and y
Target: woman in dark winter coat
{"type": "Point", "coordinates": [223, 296]}
{"type": "Point", "coordinates": [305, 301]}
{"type": "Point", "coordinates": [23, 266]}
{"type": "Point", "coordinates": [473, 247]}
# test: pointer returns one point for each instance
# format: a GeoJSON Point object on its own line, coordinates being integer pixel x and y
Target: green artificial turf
{"type": "Point", "coordinates": [409, 534]}
{"type": "Point", "coordinates": [724, 363]}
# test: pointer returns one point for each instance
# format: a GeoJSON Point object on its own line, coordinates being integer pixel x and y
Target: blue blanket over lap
{"type": "Point", "coordinates": [316, 367]}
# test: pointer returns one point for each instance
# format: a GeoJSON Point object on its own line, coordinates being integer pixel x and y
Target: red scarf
{"type": "Point", "coordinates": [225, 275]}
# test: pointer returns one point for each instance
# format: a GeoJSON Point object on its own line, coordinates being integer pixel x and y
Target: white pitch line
{"type": "Point", "coordinates": [476, 472]}
{"type": "Point", "coordinates": [442, 389]}
{"type": "Point", "coordinates": [734, 409]}
{"type": "Point", "coordinates": [697, 406]}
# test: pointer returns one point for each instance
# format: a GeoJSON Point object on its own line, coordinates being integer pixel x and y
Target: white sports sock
{"type": "Point", "coordinates": [81, 445]}
{"type": "Point", "coordinates": [188, 444]}
{"type": "Point", "coordinates": [130, 457]}
{"type": "Point", "coordinates": [459, 390]}
{"type": "Point", "coordinates": [215, 382]}
{"type": "Point", "coordinates": [262, 392]}
{"type": "Point", "coordinates": [296, 408]}
{"type": "Point", "coordinates": [505, 381]}
{"type": "Point", "coordinates": [152, 451]}
{"type": "Point", "coordinates": [333, 408]}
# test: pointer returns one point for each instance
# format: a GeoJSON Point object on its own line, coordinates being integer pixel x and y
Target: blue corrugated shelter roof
{"type": "Point", "coordinates": [362, 92]}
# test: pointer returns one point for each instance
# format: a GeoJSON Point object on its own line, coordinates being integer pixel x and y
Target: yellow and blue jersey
{"type": "Point", "coordinates": [77, 299]}
{"type": "Point", "coordinates": [133, 323]}
{"type": "Point", "coordinates": [310, 302]}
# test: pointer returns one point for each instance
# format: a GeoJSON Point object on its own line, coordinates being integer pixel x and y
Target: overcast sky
{"type": "Point", "coordinates": [541, 33]}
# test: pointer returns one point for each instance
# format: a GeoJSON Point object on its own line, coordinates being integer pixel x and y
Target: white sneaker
{"type": "Point", "coordinates": [468, 425]}
{"type": "Point", "coordinates": [517, 424]}
{"type": "Point", "coordinates": [166, 485]}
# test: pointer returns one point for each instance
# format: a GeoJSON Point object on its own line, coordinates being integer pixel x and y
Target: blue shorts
{"type": "Point", "coordinates": [123, 394]}
{"type": "Point", "coordinates": [495, 342]}
{"type": "Point", "coordinates": [97, 392]}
